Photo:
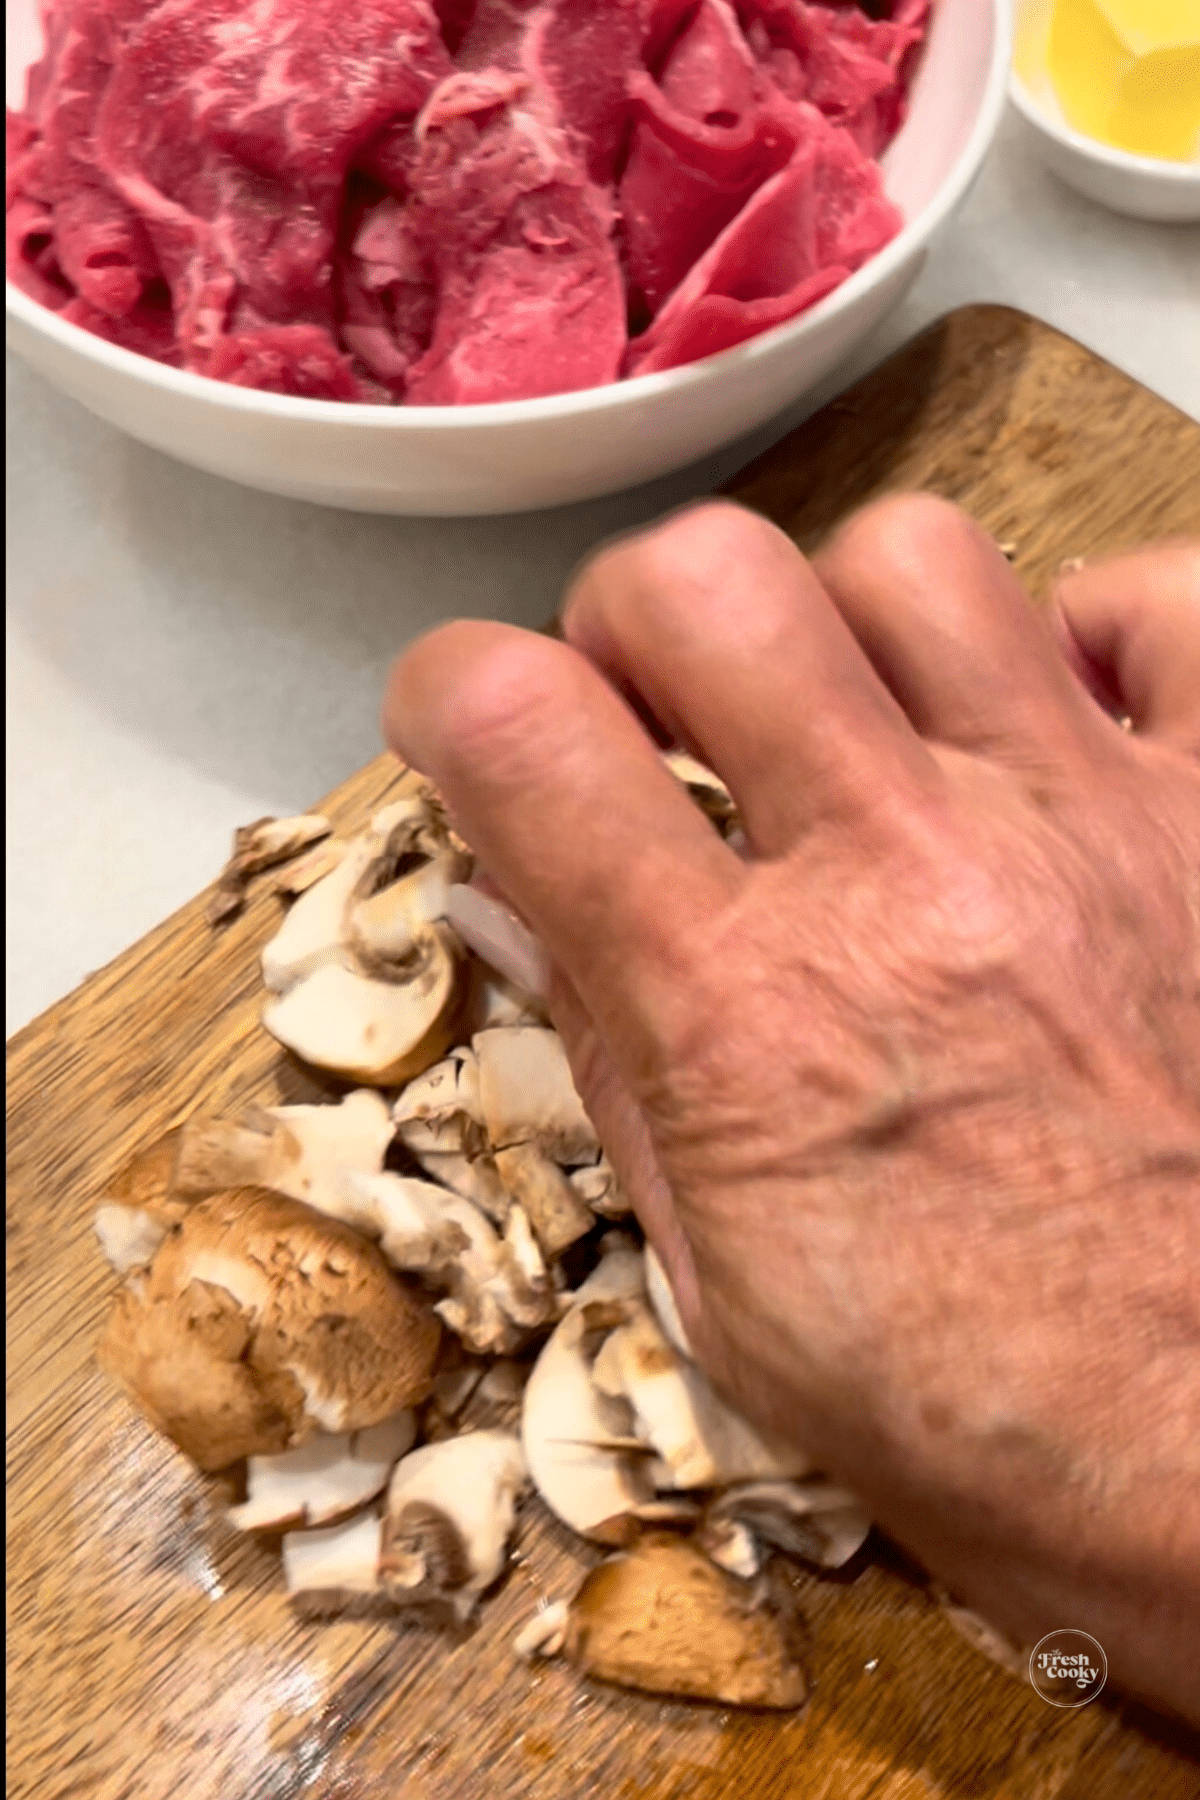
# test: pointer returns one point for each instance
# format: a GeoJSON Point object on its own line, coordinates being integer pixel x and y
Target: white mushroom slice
{"type": "Point", "coordinates": [325, 1479]}
{"type": "Point", "coordinates": [697, 1436]}
{"type": "Point", "coordinates": [545, 1633]}
{"type": "Point", "coordinates": [449, 1090]}
{"type": "Point", "coordinates": [257, 847]}
{"type": "Point", "coordinates": [568, 1425]}
{"type": "Point", "coordinates": [301, 1151]}
{"type": "Point", "coordinates": [528, 1096]}
{"type": "Point", "coordinates": [369, 1030]}
{"type": "Point", "coordinates": [662, 1619]}
{"type": "Point", "coordinates": [302, 872]}
{"type": "Point", "coordinates": [365, 981]}
{"type": "Point", "coordinates": [815, 1520]}
{"type": "Point", "coordinates": [597, 1186]}
{"type": "Point", "coordinates": [260, 1322]}
{"type": "Point", "coordinates": [450, 1512]}
{"type": "Point", "coordinates": [332, 1569]}
{"type": "Point", "coordinates": [498, 1288]}
{"type": "Point", "coordinates": [128, 1236]}
{"type": "Point", "coordinates": [662, 1300]}
{"type": "Point", "coordinates": [706, 789]}
{"type": "Point", "coordinates": [313, 930]}
{"type": "Point", "coordinates": [558, 1215]}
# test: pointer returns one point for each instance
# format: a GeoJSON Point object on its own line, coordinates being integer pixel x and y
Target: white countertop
{"type": "Point", "coordinates": [185, 655]}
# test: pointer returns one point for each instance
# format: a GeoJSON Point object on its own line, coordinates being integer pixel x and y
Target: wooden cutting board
{"type": "Point", "coordinates": [152, 1653]}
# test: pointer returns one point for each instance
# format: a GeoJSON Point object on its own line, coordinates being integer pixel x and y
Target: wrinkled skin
{"type": "Point", "coordinates": [909, 1097]}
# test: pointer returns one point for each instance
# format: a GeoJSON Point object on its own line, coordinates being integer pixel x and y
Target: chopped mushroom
{"type": "Point", "coordinates": [364, 977]}
{"type": "Point", "coordinates": [814, 1520]}
{"type": "Point", "coordinates": [497, 1287]}
{"type": "Point", "coordinates": [450, 1512]}
{"type": "Point", "coordinates": [335, 1570]}
{"type": "Point", "coordinates": [660, 1618]}
{"type": "Point", "coordinates": [699, 1439]}
{"type": "Point", "coordinates": [331, 1476]}
{"type": "Point", "coordinates": [597, 1186]}
{"type": "Point", "coordinates": [257, 847]}
{"type": "Point", "coordinates": [527, 1095]}
{"type": "Point", "coordinates": [260, 1322]}
{"type": "Point", "coordinates": [578, 1442]}
{"type": "Point", "coordinates": [558, 1216]}
{"type": "Point", "coordinates": [662, 1299]}
{"type": "Point", "coordinates": [301, 1151]}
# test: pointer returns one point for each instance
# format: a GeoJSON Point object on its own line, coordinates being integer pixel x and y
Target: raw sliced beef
{"type": "Point", "coordinates": [440, 202]}
{"type": "Point", "coordinates": [706, 137]}
{"type": "Point", "coordinates": [802, 233]}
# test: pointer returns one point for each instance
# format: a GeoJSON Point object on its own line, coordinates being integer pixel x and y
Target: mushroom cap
{"type": "Point", "coordinates": [260, 1321]}
{"type": "Point", "coordinates": [661, 1618]}
{"type": "Point", "coordinates": [148, 1181]}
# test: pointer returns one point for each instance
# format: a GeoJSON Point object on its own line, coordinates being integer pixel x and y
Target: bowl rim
{"type": "Point", "coordinates": [1152, 168]}
{"type": "Point", "coordinates": [581, 402]}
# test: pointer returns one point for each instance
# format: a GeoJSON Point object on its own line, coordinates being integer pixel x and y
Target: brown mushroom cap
{"type": "Point", "coordinates": [260, 1321]}
{"type": "Point", "coordinates": [662, 1619]}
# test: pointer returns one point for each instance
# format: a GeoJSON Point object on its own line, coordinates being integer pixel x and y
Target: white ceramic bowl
{"type": "Point", "coordinates": [1144, 187]}
{"type": "Point", "coordinates": [533, 453]}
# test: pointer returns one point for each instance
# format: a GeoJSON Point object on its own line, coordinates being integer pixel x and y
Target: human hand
{"type": "Point", "coordinates": [909, 1098]}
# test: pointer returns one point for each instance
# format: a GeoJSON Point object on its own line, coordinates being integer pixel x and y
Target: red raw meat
{"type": "Point", "coordinates": [848, 65]}
{"type": "Point", "coordinates": [804, 231]}
{"type": "Point", "coordinates": [445, 201]}
{"type": "Point", "coordinates": [287, 359]}
{"type": "Point", "coordinates": [221, 128]}
{"type": "Point", "coordinates": [706, 138]}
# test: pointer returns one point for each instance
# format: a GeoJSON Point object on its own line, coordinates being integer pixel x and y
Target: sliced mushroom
{"type": "Point", "coordinates": [706, 789]}
{"type": "Point", "coordinates": [558, 1216]}
{"type": "Point", "coordinates": [450, 1511]}
{"type": "Point", "coordinates": [260, 1322]}
{"type": "Point", "coordinates": [257, 847]}
{"type": "Point", "coordinates": [698, 1438]}
{"type": "Point", "coordinates": [335, 1570]}
{"type": "Point", "coordinates": [301, 1151]}
{"type": "Point", "coordinates": [662, 1299]}
{"type": "Point", "coordinates": [597, 1186]}
{"type": "Point", "coordinates": [302, 872]}
{"type": "Point", "coordinates": [375, 1031]}
{"type": "Point", "coordinates": [324, 1480]}
{"type": "Point", "coordinates": [662, 1619]}
{"type": "Point", "coordinates": [577, 1440]}
{"type": "Point", "coordinates": [527, 1095]}
{"type": "Point", "coordinates": [365, 978]}
{"type": "Point", "coordinates": [815, 1520]}
{"type": "Point", "coordinates": [497, 1288]}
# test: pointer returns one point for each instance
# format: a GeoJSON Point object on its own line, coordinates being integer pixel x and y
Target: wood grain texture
{"type": "Point", "coordinates": [151, 1651]}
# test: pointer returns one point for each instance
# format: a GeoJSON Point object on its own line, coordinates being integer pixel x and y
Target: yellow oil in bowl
{"type": "Point", "coordinates": [1126, 72]}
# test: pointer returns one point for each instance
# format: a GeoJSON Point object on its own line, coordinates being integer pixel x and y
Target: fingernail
{"type": "Point", "coordinates": [494, 934]}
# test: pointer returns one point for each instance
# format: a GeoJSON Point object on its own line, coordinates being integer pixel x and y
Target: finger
{"type": "Point", "coordinates": [946, 623]}
{"type": "Point", "coordinates": [718, 625]}
{"type": "Point", "coordinates": [1131, 627]}
{"type": "Point", "coordinates": [568, 805]}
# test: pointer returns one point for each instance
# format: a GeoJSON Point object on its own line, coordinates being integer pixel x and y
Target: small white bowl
{"type": "Point", "coordinates": [534, 453]}
{"type": "Point", "coordinates": [1143, 187]}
